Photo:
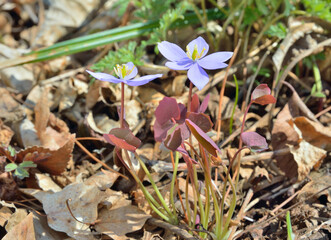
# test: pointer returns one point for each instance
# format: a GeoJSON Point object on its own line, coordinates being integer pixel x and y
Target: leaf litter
{"type": "Point", "coordinates": [43, 118]}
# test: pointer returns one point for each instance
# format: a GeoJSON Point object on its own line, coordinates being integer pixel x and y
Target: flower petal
{"type": "Point", "coordinates": [215, 60]}
{"type": "Point", "coordinates": [201, 44]}
{"type": "Point", "coordinates": [182, 65]}
{"type": "Point", "coordinates": [198, 76]}
{"type": "Point", "coordinates": [171, 51]}
{"type": "Point", "coordinates": [131, 67]}
{"type": "Point", "coordinates": [104, 77]}
{"type": "Point", "coordinates": [142, 80]}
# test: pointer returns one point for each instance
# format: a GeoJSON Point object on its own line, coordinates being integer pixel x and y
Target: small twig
{"type": "Point", "coordinates": [61, 76]}
{"type": "Point", "coordinates": [98, 160]}
{"type": "Point", "coordinates": [219, 115]}
{"type": "Point", "coordinates": [323, 112]}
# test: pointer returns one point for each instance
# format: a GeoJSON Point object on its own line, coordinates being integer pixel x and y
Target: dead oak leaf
{"type": "Point", "coordinates": [121, 219]}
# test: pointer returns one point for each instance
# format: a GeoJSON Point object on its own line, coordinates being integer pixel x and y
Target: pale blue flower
{"type": "Point", "coordinates": [194, 60]}
{"type": "Point", "coordinates": [126, 73]}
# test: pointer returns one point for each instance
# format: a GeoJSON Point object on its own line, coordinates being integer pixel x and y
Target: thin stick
{"type": "Point", "coordinates": [219, 116]}
{"type": "Point", "coordinates": [98, 160]}
{"type": "Point", "coordinates": [323, 112]}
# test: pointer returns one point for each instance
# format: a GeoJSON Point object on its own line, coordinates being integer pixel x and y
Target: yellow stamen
{"type": "Point", "coordinates": [122, 70]}
{"type": "Point", "coordinates": [195, 55]}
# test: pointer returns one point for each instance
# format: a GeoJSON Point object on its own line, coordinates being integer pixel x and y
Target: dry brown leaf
{"type": "Point", "coordinates": [303, 155]}
{"type": "Point", "coordinates": [306, 157]}
{"type": "Point", "coordinates": [10, 110]}
{"type": "Point", "coordinates": [23, 230]}
{"type": "Point", "coordinates": [314, 132]}
{"type": "Point", "coordinates": [53, 162]}
{"type": "Point", "coordinates": [46, 183]}
{"type": "Point", "coordinates": [121, 219]}
{"type": "Point", "coordinates": [42, 113]}
{"type": "Point", "coordinates": [103, 180]}
{"type": "Point", "coordinates": [320, 180]}
{"type": "Point", "coordinates": [15, 219]}
{"type": "Point", "coordinates": [5, 214]}
{"type": "Point", "coordinates": [6, 134]}
{"type": "Point", "coordinates": [84, 206]}
{"type": "Point", "coordinates": [93, 94]}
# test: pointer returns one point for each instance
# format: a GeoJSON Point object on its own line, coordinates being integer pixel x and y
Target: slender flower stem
{"type": "Point", "coordinates": [189, 99]}
{"type": "Point", "coordinates": [174, 177]}
{"type": "Point", "coordinates": [122, 105]}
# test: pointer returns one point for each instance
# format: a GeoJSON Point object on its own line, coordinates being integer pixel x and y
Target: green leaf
{"type": "Point", "coordinates": [277, 30]}
{"type": "Point", "coordinates": [10, 167]}
{"type": "Point", "coordinates": [12, 151]}
{"type": "Point", "coordinates": [27, 164]}
{"type": "Point", "coordinates": [262, 7]}
{"type": "Point", "coordinates": [21, 173]}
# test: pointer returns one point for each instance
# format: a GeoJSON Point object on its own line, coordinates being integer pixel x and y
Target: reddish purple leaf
{"type": "Point", "coordinates": [195, 103]}
{"type": "Point", "coordinates": [261, 95]}
{"type": "Point", "coordinates": [203, 138]}
{"type": "Point", "coordinates": [167, 109]}
{"type": "Point", "coordinates": [201, 120]}
{"type": "Point", "coordinates": [123, 138]}
{"type": "Point", "coordinates": [254, 141]}
{"type": "Point", "coordinates": [161, 131]}
{"type": "Point", "coordinates": [204, 104]}
{"type": "Point", "coordinates": [174, 140]}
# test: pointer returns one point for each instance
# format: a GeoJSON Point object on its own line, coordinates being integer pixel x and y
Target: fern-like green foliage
{"type": "Point", "coordinates": [127, 53]}
{"type": "Point", "coordinates": [146, 10]}
{"type": "Point", "coordinates": [319, 8]}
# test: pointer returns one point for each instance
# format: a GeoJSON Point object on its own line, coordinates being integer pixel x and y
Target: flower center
{"type": "Point", "coordinates": [122, 70]}
{"type": "Point", "coordinates": [195, 54]}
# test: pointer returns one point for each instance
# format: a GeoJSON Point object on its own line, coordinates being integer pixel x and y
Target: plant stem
{"type": "Point", "coordinates": [189, 99]}
{"type": "Point", "coordinates": [174, 178]}
{"type": "Point", "coordinates": [122, 105]}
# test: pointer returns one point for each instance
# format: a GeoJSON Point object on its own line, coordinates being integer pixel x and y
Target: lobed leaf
{"type": "Point", "coordinates": [203, 138]}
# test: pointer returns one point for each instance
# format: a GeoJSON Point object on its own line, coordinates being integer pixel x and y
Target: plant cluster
{"type": "Point", "coordinates": [175, 126]}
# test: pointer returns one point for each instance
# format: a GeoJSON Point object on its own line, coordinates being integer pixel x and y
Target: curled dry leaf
{"type": "Point", "coordinates": [314, 132]}
{"type": "Point", "coordinates": [305, 140]}
{"type": "Point", "coordinates": [306, 157]}
{"type": "Point", "coordinates": [50, 161]}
